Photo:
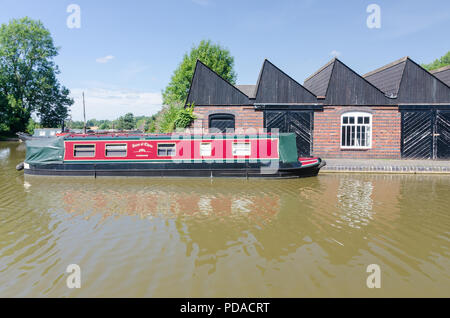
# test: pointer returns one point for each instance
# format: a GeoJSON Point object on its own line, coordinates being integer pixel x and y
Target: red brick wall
{"type": "Point", "coordinates": [245, 116]}
{"type": "Point", "coordinates": [386, 132]}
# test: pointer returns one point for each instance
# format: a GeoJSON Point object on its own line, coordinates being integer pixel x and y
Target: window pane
{"type": "Point", "coordinates": [166, 150]}
{"type": "Point", "coordinates": [241, 149]}
{"type": "Point", "coordinates": [345, 120]}
{"type": "Point", "coordinates": [205, 149]}
{"type": "Point", "coordinates": [363, 136]}
{"type": "Point", "coordinates": [358, 135]}
{"type": "Point", "coordinates": [84, 151]}
{"type": "Point", "coordinates": [353, 136]}
{"type": "Point", "coordinates": [343, 136]}
{"type": "Point", "coordinates": [360, 120]}
{"type": "Point", "coordinates": [352, 120]}
{"type": "Point", "coordinates": [118, 150]}
{"type": "Point", "coordinates": [366, 120]}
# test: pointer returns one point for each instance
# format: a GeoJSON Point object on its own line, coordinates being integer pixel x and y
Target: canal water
{"type": "Point", "coordinates": [309, 237]}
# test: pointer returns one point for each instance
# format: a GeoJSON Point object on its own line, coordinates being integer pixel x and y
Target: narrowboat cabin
{"type": "Point", "coordinates": [169, 155]}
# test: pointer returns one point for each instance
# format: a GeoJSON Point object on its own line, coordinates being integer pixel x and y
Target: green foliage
{"type": "Point", "coordinates": [126, 122]}
{"type": "Point", "coordinates": [212, 55]}
{"type": "Point", "coordinates": [28, 80]}
{"type": "Point", "coordinates": [185, 117]}
{"type": "Point", "coordinates": [166, 118]}
{"type": "Point", "coordinates": [31, 126]}
{"type": "Point", "coordinates": [438, 63]}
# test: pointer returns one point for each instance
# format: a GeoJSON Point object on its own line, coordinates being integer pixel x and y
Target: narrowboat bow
{"type": "Point", "coordinates": [169, 155]}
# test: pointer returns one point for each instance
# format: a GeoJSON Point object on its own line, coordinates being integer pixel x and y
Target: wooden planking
{"type": "Point", "coordinates": [443, 134]}
{"type": "Point", "coordinates": [275, 86]}
{"type": "Point", "coordinates": [346, 87]}
{"type": "Point", "coordinates": [208, 88]}
{"type": "Point", "coordinates": [420, 86]}
{"type": "Point", "coordinates": [298, 122]}
{"type": "Point", "coordinates": [417, 134]}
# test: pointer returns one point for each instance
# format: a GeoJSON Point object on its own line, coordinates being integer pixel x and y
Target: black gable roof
{"type": "Point", "coordinates": [388, 77]}
{"type": "Point", "coordinates": [420, 86]}
{"type": "Point", "coordinates": [443, 74]}
{"type": "Point", "coordinates": [275, 86]}
{"type": "Point", "coordinates": [342, 86]}
{"type": "Point", "coordinates": [208, 88]}
{"type": "Point", "coordinates": [318, 82]}
{"type": "Point", "coordinates": [408, 82]}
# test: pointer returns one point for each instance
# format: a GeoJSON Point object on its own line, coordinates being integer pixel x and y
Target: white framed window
{"type": "Point", "coordinates": [241, 149]}
{"type": "Point", "coordinates": [166, 150]}
{"type": "Point", "coordinates": [356, 130]}
{"type": "Point", "coordinates": [116, 150]}
{"type": "Point", "coordinates": [205, 149]}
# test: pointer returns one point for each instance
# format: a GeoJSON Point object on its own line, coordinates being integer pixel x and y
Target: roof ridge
{"type": "Point", "coordinates": [386, 66]}
{"type": "Point", "coordinates": [320, 69]}
{"type": "Point", "coordinates": [441, 69]}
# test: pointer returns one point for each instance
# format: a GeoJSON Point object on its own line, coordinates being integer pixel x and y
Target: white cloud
{"type": "Point", "coordinates": [335, 53]}
{"type": "Point", "coordinates": [105, 103]}
{"type": "Point", "coordinates": [104, 59]}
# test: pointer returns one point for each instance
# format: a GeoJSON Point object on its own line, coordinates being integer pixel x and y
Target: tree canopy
{"type": "Point", "coordinates": [28, 77]}
{"type": "Point", "coordinates": [438, 63]}
{"type": "Point", "coordinates": [213, 55]}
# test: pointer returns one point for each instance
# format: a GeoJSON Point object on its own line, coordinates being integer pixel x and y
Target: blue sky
{"type": "Point", "coordinates": [125, 51]}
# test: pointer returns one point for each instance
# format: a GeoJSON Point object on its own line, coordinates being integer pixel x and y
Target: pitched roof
{"type": "Point", "coordinates": [275, 86]}
{"type": "Point", "coordinates": [343, 86]}
{"type": "Point", "coordinates": [208, 88]}
{"type": "Point", "coordinates": [249, 90]}
{"type": "Point", "coordinates": [387, 78]}
{"type": "Point", "coordinates": [409, 82]}
{"type": "Point", "coordinates": [443, 74]}
{"type": "Point", "coordinates": [318, 82]}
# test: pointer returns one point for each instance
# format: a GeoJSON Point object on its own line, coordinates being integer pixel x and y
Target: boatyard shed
{"type": "Point", "coordinates": [397, 111]}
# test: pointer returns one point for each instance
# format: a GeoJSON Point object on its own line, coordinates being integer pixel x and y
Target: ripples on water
{"type": "Point", "coordinates": [184, 237]}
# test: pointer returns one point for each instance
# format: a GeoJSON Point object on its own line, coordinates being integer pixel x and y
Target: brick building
{"type": "Point", "coordinates": [397, 111]}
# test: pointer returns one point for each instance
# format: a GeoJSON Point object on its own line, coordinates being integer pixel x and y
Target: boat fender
{"type": "Point", "coordinates": [19, 166]}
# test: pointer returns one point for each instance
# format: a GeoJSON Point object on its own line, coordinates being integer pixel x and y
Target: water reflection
{"type": "Point", "coordinates": [223, 237]}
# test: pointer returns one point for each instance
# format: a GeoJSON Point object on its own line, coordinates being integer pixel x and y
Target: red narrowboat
{"type": "Point", "coordinates": [169, 155]}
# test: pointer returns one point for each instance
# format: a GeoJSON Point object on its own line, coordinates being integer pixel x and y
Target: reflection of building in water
{"type": "Point", "coordinates": [354, 200]}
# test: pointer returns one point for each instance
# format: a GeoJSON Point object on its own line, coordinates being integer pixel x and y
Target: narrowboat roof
{"type": "Point", "coordinates": [166, 136]}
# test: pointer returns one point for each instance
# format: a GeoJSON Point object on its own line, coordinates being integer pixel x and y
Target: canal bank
{"type": "Point", "coordinates": [387, 166]}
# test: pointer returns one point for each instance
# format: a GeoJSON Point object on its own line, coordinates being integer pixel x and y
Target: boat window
{"type": "Point", "coordinates": [356, 130]}
{"type": "Point", "coordinates": [165, 150]}
{"type": "Point", "coordinates": [42, 133]}
{"type": "Point", "coordinates": [205, 149]}
{"type": "Point", "coordinates": [84, 151]}
{"type": "Point", "coordinates": [241, 149]}
{"type": "Point", "coordinates": [116, 150]}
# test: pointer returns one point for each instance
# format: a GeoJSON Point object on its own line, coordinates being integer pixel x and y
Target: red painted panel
{"type": "Point", "coordinates": [185, 149]}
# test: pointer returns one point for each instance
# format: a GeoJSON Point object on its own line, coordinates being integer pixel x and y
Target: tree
{"type": "Point", "coordinates": [438, 63]}
{"type": "Point", "coordinates": [28, 81]}
{"type": "Point", "coordinates": [126, 122]}
{"type": "Point", "coordinates": [212, 55]}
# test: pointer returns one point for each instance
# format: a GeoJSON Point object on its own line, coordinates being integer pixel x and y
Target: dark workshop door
{"type": "Point", "coordinates": [425, 134]}
{"type": "Point", "coordinates": [298, 122]}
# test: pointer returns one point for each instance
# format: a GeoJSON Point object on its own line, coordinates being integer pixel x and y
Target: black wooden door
{"type": "Point", "coordinates": [426, 134]}
{"type": "Point", "coordinates": [298, 122]}
{"type": "Point", "coordinates": [443, 134]}
{"type": "Point", "coordinates": [417, 134]}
